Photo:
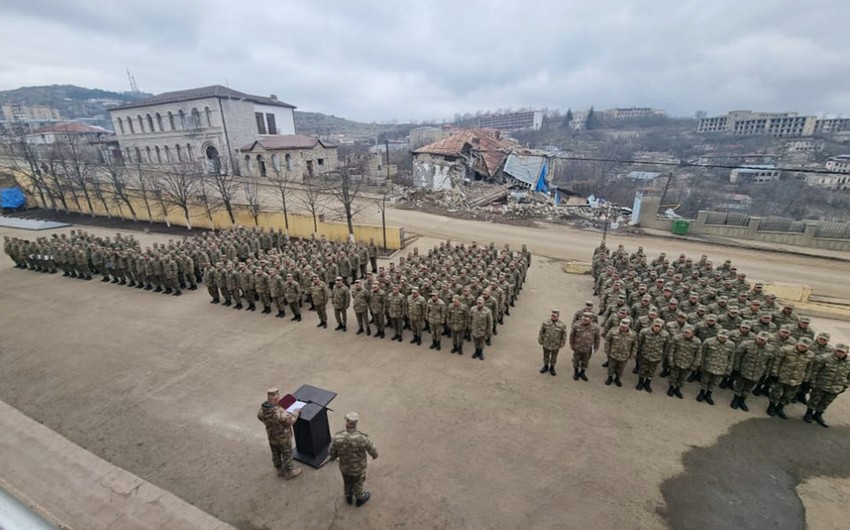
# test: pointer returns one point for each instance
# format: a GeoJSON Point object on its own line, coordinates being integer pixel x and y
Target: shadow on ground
{"type": "Point", "coordinates": [748, 479]}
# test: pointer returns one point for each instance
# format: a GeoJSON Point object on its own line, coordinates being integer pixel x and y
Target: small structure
{"type": "Point", "coordinates": [68, 132]}
{"type": "Point", "coordinates": [293, 156]}
{"type": "Point", "coordinates": [754, 174]}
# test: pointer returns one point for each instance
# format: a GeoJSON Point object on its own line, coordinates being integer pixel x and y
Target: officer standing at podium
{"type": "Point", "coordinates": [350, 447]}
{"type": "Point", "coordinates": [279, 424]}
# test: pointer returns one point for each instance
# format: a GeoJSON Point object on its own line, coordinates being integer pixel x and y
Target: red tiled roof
{"type": "Point", "coordinates": [213, 91]}
{"type": "Point", "coordinates": [72, 127]}
{"type": "Point", "coordinates": [492, 150]}
{"type": "Point", "coordinates": [285, 141]}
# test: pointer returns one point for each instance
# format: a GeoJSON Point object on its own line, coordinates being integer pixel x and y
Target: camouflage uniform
{"type": "Point", "coordinates": [457, 318]}
{"type": "Point", "coordinates": [683, 356]}
{"type": "Point", "coordinates": [210, 282]}
{"type": "Point", "coordinates": [436, 316]}
{"type": "Point", "coordinates": [830, 377]}
{"type": "Point", "coordinates": [416, 306]}
{"type": "Point", "coordinates": [480, 327]}
{"type": "Point", "coordinates": [341, 298]}
{"type": "Point", "coordinates": [620, 346]}
{"type": "Point", "coordinates": [279, 424]}
{"type": "Point", "coordinates": [788, 368]}
{"type": "Point", "coordinates": [552, 337]}
{"type": "Point", "coordinates": [378, 309]}
{"type": "Point", "coordinates": [717, 355]}
{"type": "Point", "coordinates": [651, 349]}
{"type": "Point", "coordinates": [360, 301]}
{"type": "Point", "coordinates": [292, 295]}
{"type": "Point", "coordinates": [396, 310]}
{"type": "Point", "coordinates": [350, 447]}
{"type": "Point", "coordinates": [584, 341]}
{"type": "Point", "coordinates": [751, 359]}
{"type": "Point", "coordinates": [319, 295]}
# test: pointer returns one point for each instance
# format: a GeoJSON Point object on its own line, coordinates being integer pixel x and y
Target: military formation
{"type": "Point", "coordinates": [462, 292]}
{"type": "Point", "coordinates": [168, 268]}
{"type": "Point", "coordinates": [707, 325]}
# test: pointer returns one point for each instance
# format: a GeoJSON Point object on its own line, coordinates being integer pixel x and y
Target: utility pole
{"type": "Point", "coordinates": [666, 186]}
{"type": "Point", "coordinates": [387, 189]}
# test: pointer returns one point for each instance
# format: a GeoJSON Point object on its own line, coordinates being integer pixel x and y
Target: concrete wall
{"type": "Point", "coordinates": [300, 225]}
{"type": "Point", "coordinates": [296, 169]}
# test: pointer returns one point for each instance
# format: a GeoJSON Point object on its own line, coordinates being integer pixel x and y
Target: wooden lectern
{"type": "Point", "coordinates": [312, 431]}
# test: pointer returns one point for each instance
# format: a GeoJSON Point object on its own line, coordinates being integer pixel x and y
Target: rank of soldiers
{"type": "Point", "coordinates": [120, 260]}
{"type": "Point", "coordinates": [701, 324]}
{"type": "Point", "coordinates": [458, 291]}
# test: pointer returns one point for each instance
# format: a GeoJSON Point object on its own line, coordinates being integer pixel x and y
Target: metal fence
{"type": "Point", "coordinates": [833, 230]}
{"type": "Point", "coordinates": [782, 224]}
{"type": "Point", "coordinates": [727, 218]}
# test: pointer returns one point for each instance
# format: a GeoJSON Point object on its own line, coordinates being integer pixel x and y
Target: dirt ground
{"type": "Point", "coordinates": [168, 388]}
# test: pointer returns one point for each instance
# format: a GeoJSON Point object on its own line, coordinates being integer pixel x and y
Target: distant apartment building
{"type": "Point", "coordinates": [40, 113]}
{"type": "Point", "coordinates": [632, 113]}
{"type": "Point", "coordinates": [754, 174]}
{"type": "Point", "coordinates": [774, 124]}
{"type": "Point", "coordinates": [839, 179]}
{"type": "Point", "coordinates": [809, 145]}
{"type": "Point", "coordinates": [839, 164]}
{"type": "Point", "coordinates": [199, 124]}
{"type": "Point", "coordinates": [514, 121]}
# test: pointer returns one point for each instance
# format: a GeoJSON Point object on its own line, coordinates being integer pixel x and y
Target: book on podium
{"type": "Point", "coordinates": [312, 430]}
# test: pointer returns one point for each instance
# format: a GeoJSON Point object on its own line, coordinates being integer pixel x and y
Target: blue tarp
{"type": "Point", "coordinates": [541, 179]}
{"type": "Point", "coordinates": [11, 198]}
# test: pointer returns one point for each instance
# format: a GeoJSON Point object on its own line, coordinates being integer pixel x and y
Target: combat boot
{"type": "Point", "coordinates": [168, 290]}
{"type": "Point", "coordinates": [701, 396]}
{"type": "Point", "coordinates": [670, 391]}
{"type": "Point", "coordinates": [743, 404]}
{"type": "Point", "coordinates": [298, 318]}
{"type": "Point", "coordinates": [664, 373]}
{"type": "Point", "coordinates": [647, 386]}
{"type": "Point", "coordinates": [575, 374]}
{"type": "Point", "coordinates": [692, 377]}
{"type": "Point", "coordinates": [818, 417]}
{"type": "Point", "coordinates": [808, 417]}
{"type": "Point", "coordinates": [226, 303]}
{"type": "Point", "coordinates": [801, 394]}
{"type": "Point", "coordinates": [413, 340]}
{"type": "Point", "coordinates": [292, 473]}
{"type": "Point", "coordinates": [771, 409]}
{"type": "Point", "coordinates": [617, 381]}
{"type": "Point", "coordinates": [552, 370]}
{"type": "Point", "coordinates": [736, 402]}
{"type": "Point", "coordinates": [419, 340]}
{"type": "Point", "coordinates": [349, 499]}
{"type": "Point", "coordinates": [460, 350]}
{"type": "Point", "coordinates": [438, 346]}
{"type": "Point", "coordinates": [122, 282]}
{"type": "Point", "coordinates": [724, 383]}
{"type": "Point", "coordinates": [324, 324]}
{"type": "Point", "coordinates": [380, 334]}
{"type": "Point", "coordinates": [639, 385]}
{"type": "Point", "coordinates": [238, 306]}
{"type": "Point", "coordinates": [582, 375]}
{"type": "Point", "coordinates": [178, 292]}
{"type": "Point", "coordinates": [480, 355]}
{"type": "Point", "coordinates": [363, 499]}
{"type": "Point", "coordinates": [544, 369]}
{"type": "Point", "coordinates": [708, 398]}
{"type": "Point", "coordinates": [454, 348]}
{"type": "Point", "coordinates": [281, 314]}
{"type": "Point", "coordinates": [605, 364]}
{"type": "Point", "coordinates": [780, 411]}
{"type": "Point", "coordinates": [609, 381]}
{"type": "Point", "coordinates": [252, 307]}
{"type": "Point", "coordinates": [678, 393]}
{"type": "Point", "coordinates": [368, 331]}
{"type": "Point", "coordinates": [159, 290]}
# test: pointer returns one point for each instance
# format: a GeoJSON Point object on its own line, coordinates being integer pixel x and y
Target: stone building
{"type": "Point", "coordinates": [201, 124]}
{"type": "Point", "coordinates": [294, 156]}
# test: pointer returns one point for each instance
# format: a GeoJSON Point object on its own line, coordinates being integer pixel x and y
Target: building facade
{"type": "Point", "coordinates": [515, 121]}
{"type": "Point", "coordinates": [206, 124]}
{"type": "Point", "coordinates": [633, 113]}
{"type": "Point", "coordinates": [754, 174]}
{"type": "Point", "coordinates": [774, 124]}
{"type": "Point", "coordinates": [26, 113]}
{"type": "Point", "coordinates": [295, 157]}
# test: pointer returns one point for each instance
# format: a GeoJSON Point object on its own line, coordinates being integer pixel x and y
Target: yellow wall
{"type": "Point", "coordinates": [300, 225]}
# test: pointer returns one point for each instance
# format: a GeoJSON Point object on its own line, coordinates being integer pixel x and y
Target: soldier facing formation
{"type": "Point", "coordinates": [708, 324]}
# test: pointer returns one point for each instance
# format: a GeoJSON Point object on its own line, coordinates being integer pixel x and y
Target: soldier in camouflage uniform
{"type": "Point", "coordinates": [480, 327]}
{"type": "Point", "coordinates": [830, 377]}
{"type": "Point", "coordinates": [276, 283]}
{"type": "Point", "coordinates": [585, 336]}
{"type": "Point", "coordinates": [209, 281]}
{"type": "Point", "coordinates": [292, 294]}
{"type": "Point", "coordinates": [279, 424]}
{"type": "Point", "coordinates": [360, 302]}
{"type": "Point", "coordinates": [653, 343]}
{"type": "Point", "coordinates": [341, 298]}
{"type": "Point", "coordinates": [435, 310]}
{"type": "Point", "coordinates": [717, 355]}
{"type": "Point", "coordinates": [457, 317]}
{"type": "Point", "coordinates": [620, 346]}
{"type": "Point", "coordinates": [552, 337]}
{"type": "Point", "coordinates": [378, 309]}
{"type": "Point", "coordinates": [320, 294]}
{"type": "Point", "coordinates": [350, 447]}
{"type": "Point", "coordinates": [683, 357]}
{"type": "Point", "coordinates": [751, 359]}
{"type": "Point", "coordinates": [262, 287]}
{"type": "Point", "coordinates": [788, 368]}
{"type": "Point", "coordinates": [416, 308]}
{"type": "Point", "coordinates": [396, 303]}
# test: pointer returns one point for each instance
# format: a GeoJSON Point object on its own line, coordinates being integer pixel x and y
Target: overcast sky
{"type": "Point", "coordinates": [377, 60]}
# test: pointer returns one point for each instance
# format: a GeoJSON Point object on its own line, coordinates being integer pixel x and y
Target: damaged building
{"type": "Point", "coordinates": [479, 155]}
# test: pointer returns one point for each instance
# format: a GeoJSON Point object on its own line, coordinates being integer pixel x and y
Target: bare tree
{"type": "Point", "coordinates": [282, 185]}
{"type": "Point", "coordinates": [116, 174]}
{"type": "Point", "coordinates": [148, 189]}
{"type": "Point", "coordinates": [347, 190]}
{"type": "Point", "coordinates": [77, 161]}
{"type": "Point", "coordinates": [252, 196]}
{"type": "Point", "coordinates": [313, 199]}
{"type": "Point", "coordinates": [23, 158]}
{"type": "Point", "coordinates": [225, 183]}
{"type": "Point", "coordinates": [180, 183]}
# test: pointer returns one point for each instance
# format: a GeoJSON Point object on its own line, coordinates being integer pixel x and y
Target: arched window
{"type": "Point", "coordinates": [141, 124]}
{"type": "Point", "coordinates": [150, 123]}
{"type": "Point", "coordinates": [182, 116]}
{"type": "Point", "coordinates": [248, 167]}
{"type": "Point", "coordinates": [276, 162]}
{"type": "Point", "coordinates": [213, 159]}
{"type": "Point", "coordinates": [167, 153]}
{"type": "Point", "coordinates": [179, 153]}
{"type": "Point", "coordinates": [159, 122]}
{"type": "Point", "coordinates": [127, 156]}
{"type": "Point", "coordinates": [261, 165]}
{"type": "Point", "coordinates": [190, 155]}
{"type": "Point", "coordinates": [158, 154]}
{"type": "Point", "coordinates": [120, 126]}
{"type": "Point", "coordinates": [288, 159]}
{"type": "Point", "coordinates": [208, 112]}
{"type": "Point", "coordinates": [138, 156]}
{"type": "Point", "coordinates": [130, 124]}
{"type": "Point", "coordinates": [196, 119]}
{"type": "Point", "coordinates": [148, 154]}
{"type": "Point", "coordinates": [171, 120]}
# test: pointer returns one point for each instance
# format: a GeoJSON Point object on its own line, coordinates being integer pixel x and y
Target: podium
{"type": "Point", "coordinates": [312, 432]}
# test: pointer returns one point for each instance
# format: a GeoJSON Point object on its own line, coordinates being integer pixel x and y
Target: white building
{"type": "Point", "coordinates": [198, 124]}
{"type": "Point", "coordinates": [754, 174]}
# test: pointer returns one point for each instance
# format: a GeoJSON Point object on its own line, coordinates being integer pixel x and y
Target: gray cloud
{"type": "Point", "coordinates": [374, 60]}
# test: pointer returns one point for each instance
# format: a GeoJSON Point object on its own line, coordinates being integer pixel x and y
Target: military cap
{"type": "Point", "coordinates": [658, 322]}
{"type": "Point", "coordinates": [622, 310]}
{"type": "Point", "coordinates": [807, 320]}
{"type": "Point", "coordinates": [681, 314]}
{"type": "Point", "coordinates": [625, 322]}
{"type": "Point", "coordinates": [723, 298]}
{"type": "Point", "coordinates": [763, 314]}
{"type": "Point", "coordinates": [733, 309]}
{"type": "Point", "coordinates": [746, 324]}
{"type": "Point", "coordinates": [588, 303]}
{"type": "Point", "coordinates": [433, 293]}
{"type": "Point", "coordinates": [413, 289]}
{"type": "Point", "coordinates": [763, 335]}
{"type": "Point", "coordinates": [784, 327]}
{"type": "Point", "coordinates": [823, 335]}
{"type": "Point", "coordinates": [352, 417]}
{"type": "Point", "coordinates": [557, 312]}
{"type": "Point", "coordinates": [587, 314]}
{"type": "Point", "coordinates": [711, 316]}
{"type": "Point", "coordinates": [841, 347]}
{"type": "Point", "coordinates": [688, 328]}
{"type": "Point", "coordinates": [646, 297]}
{"type": "Point", "coordinates": [759, 284]}
{"type": "Point", "coordinates": [272, 392]}
{"type": "Point", "coordinates": [770, 295]}
{"type": "Point", "coordinates": [805, 341]}
{"type": "Point", "coordinates": [788, 305]}
{"type": "Point", "coordinates": [723, 333]}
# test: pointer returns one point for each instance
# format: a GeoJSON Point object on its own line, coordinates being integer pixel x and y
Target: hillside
{"type": "Point", "coordinates": [71, 101]}
{"type": "Point", "coordinates": [324, 124]}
